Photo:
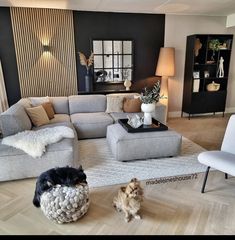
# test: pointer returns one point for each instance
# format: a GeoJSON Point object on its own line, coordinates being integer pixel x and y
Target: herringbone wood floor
{"type": "Point", "coordinates": [168, 208]}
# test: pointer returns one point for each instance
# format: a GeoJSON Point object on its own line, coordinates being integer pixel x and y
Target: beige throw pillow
{"type": "Point", "coordinates": [114, 104]}
{"type": "Point", "coordinates": [38, 115]}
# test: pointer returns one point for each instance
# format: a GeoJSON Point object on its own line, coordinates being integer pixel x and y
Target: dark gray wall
{"type": "Point", "coordinates": [146, 30]}
{"type": "Point", "coordinates": [8, 57]}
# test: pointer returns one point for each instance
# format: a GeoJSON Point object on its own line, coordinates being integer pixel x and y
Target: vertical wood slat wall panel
{"type": "Point", "coordinates": [42, 73]}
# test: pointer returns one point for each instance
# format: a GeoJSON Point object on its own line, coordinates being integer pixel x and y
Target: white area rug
{"type": "Point", "coordinates": [102, 170]}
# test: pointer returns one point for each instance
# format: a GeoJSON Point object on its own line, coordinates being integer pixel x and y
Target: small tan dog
{"type": "Point", "coordinates": [129, 200]}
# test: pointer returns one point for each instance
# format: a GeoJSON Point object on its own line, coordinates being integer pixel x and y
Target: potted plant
{"type": "Point", "coordinates": [149, 98]}
{"type": "Point", "coordinates": [214, 46]}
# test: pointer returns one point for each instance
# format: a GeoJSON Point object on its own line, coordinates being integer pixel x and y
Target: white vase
{"type": "Point", "coordinates": [147, 108]}
{"type": "Point", "coordinates": [127, 84]}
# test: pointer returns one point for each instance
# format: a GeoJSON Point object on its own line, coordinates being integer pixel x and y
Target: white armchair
{"type": "Point", "coordinates": [223, 160]}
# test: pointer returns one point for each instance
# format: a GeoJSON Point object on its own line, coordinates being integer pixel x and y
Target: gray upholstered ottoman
{"type": "Point", "coordinates": [130, 146]}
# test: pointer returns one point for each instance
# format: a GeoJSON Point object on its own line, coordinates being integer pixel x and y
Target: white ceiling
{"type": "Point", "coordinates": [186, 7]}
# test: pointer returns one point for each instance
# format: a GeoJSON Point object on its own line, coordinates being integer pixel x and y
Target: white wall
{"type": "Point", "coordinates": [230, 104]}
{"type": "Point", "coordinates": [177, 28]}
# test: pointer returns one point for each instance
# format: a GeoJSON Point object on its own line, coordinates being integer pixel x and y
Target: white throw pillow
{"type": "Point", "coordinates": [36, 101]}
{"type": "Point", "coordinates": [114, 104]}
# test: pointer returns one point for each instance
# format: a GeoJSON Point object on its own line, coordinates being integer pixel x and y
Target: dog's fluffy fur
{"type": "Point", "coordinates": [129, 200]}
{"type": "Point", "coordinates": [67, 176]}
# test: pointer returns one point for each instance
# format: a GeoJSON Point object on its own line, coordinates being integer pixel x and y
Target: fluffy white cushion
{"type": "Point", "coordinates": [34, 142]}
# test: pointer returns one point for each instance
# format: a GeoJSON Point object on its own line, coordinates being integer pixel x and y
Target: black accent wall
{"type": "Point", "coordinates": [8, 57]}
{"type": "Point", "coordinates": [146, 30]}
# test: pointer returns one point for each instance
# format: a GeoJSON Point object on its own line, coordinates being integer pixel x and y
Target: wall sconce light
{"type": "Point", "coordinates": [46, 48]}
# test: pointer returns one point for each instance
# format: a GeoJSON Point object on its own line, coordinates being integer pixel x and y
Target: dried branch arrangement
{"type": "Point", "coordinates": [87, 62]}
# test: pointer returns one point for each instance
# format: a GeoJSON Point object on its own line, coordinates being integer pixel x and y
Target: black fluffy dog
{"type": "Point", "coordinates": [67, 176]}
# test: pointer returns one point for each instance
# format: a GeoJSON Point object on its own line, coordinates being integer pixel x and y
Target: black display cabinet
{"type": "Point", "coordinates": [206, 73]}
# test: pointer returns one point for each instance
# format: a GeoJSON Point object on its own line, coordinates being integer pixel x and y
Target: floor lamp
{"type": "Point", "coordinates": [165, 68]}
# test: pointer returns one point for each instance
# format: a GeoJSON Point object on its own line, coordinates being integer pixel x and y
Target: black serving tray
{"type": "Point", "coordinates": [155, 126]}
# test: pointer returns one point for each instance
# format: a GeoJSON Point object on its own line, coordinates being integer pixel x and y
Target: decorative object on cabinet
{"type": "Point", "coordinates": [127, 81]}
{"type": "Point", "coordinates": [213, 87]}
{"type": "Point", "coordinates": [206, 74]}
{"type": "Point", "coordinates": [198, 97]}
{"type": "Point", "coordinates": [101, 75]}
{"type": "Point", "coordinates": [214, 46]}
{"type": "Point", "coordinates": [220, 72]}
{"type": "Point", "coordinates": [127, 84]}
{"type": "Point", "coordinates": [87, 62]}
{"type": "Point", "coordinates": [196, 85]}
{"type": "Point", "coordinates": [197, 46]}
{"type": "Point", "coordinates": [196, 74]}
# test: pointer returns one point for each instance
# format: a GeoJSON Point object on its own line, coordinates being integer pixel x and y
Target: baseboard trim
{"type": "Point", "coordinates": [178, 114]}
{"type": "Point", "coordinates": [174, 114]}
{"type": "Point", "coordinates": [230, 110]}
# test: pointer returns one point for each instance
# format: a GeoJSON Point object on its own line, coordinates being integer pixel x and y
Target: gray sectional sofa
{"type": "Point", "coordinates": [85, 114]}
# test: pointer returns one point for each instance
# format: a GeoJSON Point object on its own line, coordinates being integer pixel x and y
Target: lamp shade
{"type": "Point", "coordinates": [166, 62]}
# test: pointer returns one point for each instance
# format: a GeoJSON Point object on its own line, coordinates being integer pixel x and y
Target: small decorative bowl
{"type": "Point", "coordinates": [213, 87]}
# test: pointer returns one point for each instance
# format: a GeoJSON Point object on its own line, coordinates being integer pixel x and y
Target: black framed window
{"type": "Point", "coordinates": [113, 60]}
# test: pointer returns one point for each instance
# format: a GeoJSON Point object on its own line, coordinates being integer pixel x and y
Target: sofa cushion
{"type": "Point", "coordinates": [87, 103]}
{"type": "Point", "coordinates": [114, 104]}
{"type": "Point", "coordinates": [131, 105]}
{"type": "Point", "coordinates": [123, 115]}
{"type": "Point", "coordinates": [38, 115]}
{"type": "Point", "coordinates": [60, 118]}
{"type": "Point", "coordinates": [60, 104]}
{"type": "Point", "coordinates": [16, 164]}
{"type": "Point", "coordinates": [160, 112]}
{"type": "Point", "coordinates": [36, 101]}
{"type": "Point", "coordinates": [48, 107]}
{"type": "Point", "coordinates": [14, 120]}
{"type": "Point", "coordinates": [25, 102]}
{"type": "Point", "coordinates": [91, 125]}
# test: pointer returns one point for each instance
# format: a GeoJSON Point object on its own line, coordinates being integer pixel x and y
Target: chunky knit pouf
{"type": "Point", "coordinates": [64, 204]}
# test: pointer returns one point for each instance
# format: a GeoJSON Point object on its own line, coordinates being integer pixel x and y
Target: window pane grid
{"type": "Point", "coordinates": [113, 62]}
